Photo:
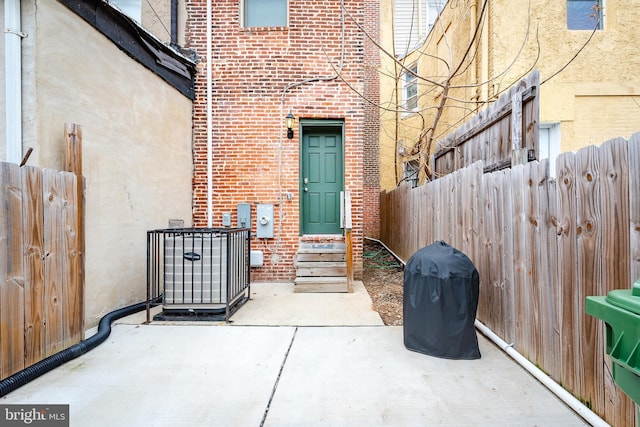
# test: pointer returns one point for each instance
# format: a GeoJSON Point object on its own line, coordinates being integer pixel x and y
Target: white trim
{"type": "Point", "coordinates": [405, 86]}
{"type": "Point", "coordinates": [549, 146]}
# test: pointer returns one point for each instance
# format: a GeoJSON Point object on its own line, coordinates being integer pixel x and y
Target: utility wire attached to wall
{"type": "Point", "coordinates": [337, 72]}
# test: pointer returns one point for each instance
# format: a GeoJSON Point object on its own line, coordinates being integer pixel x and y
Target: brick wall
{"type": "Point", "coordinates": [372, 123]}
{"type": "Point", "coordinates": [253, 161]}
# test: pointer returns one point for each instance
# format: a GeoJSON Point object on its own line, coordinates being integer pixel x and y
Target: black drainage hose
{"type": "Point", "coordinates": [21, 378]}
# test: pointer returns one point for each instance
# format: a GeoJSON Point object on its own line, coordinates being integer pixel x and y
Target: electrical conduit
{"type": "Point", "coordinates": [209, 121]}
{"type": "Point", "coordinates": [588, 415]}
{"type": "Point", "coordinates": [13, 80]}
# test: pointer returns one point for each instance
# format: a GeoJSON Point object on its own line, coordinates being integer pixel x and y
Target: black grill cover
{"type": "Point", "coordinates": [441, 287]}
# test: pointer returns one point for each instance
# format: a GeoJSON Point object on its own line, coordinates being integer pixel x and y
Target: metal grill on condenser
{"type": "Point", "coordinates": [198, 271]}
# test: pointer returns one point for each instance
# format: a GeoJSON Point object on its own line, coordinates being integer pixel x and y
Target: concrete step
{"type": "Point", "coordinates": [328, 268]}
{"type": "Point", "coordinates": [320, 284]}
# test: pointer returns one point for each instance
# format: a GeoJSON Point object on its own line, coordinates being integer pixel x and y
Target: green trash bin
{"type": "Point", "coordinates": [620, 310]}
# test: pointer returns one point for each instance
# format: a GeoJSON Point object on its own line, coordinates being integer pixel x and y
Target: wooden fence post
{"type": "Point", "coordinates": [11, 271]}
{"type": "Point", "coordinates": [519, 154]}
{"type": "Point", "coordinates": [73, 163]}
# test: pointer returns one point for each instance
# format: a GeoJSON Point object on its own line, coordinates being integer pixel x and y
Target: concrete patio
{"type": "Point", "coordinates": [289, 360]}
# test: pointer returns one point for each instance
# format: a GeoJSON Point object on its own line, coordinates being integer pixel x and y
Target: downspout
{"type": "Point", "coordinates": [13, 80]}
{"type": "Point", "coordinates": [209, 123]}
{"type": "Point", "coordinates": [174, 22]}
{"type": "Point", "coordinates": [578, 407]}
{"type": "Point", "coordinates": [484, 60]}
{"type": "Point", "coordinates": [474, 69]}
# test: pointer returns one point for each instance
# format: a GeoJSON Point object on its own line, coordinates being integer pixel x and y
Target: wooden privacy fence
{"type": "Point", "coordinates": [541, 246]}
{"type": "Point", "coordinates": [41, 307]}
{"type": "Point", "coordinates": [506, 132]}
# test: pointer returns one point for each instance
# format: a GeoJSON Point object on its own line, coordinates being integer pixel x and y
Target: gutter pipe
{"type": "Point", "coordinates": [570, 400]}
{"type": "Point", "coordinates": [13, 80]}
{"type": "Point", "coordinates": [209, 122]}
{"type": "Point", "coordinates": [174, 22]}
{"type": "Point", "coordinates": [29, 374]}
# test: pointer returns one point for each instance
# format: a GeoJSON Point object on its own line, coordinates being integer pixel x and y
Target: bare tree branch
{"type": "Point", "coordinates": [445, 88]}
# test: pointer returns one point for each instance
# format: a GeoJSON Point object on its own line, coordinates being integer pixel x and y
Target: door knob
{"type": "Point", "coordinates": [306, 189]}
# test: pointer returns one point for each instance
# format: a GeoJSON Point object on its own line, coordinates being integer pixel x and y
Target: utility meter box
{"type": "Point", "coordinates": [264, 221]}
{"type": "Point", "coordinates": [244, 215]}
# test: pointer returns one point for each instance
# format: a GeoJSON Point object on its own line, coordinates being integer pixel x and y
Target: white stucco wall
{"type": "Point", "coordinates": [136, 148]}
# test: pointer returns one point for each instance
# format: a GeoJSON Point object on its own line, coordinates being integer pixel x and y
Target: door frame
{"type": "Point", "coordinates": [308, 124]}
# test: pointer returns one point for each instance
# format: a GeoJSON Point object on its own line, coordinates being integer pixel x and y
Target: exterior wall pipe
{"type": "Point", "coordinates": [588, 415]}
{"type": "Point", "coordinates": [209, 122]}
{"type": "Point", "coordinates": [577, 406]}
{"type": "Point", "coordinates": [13, 80]}
{"type": "Point", "coordinates": [174, 22]}
{"type": "Point", "coordinates": [474, 68]}
{"type": "Point", "coordinates": [484, 60]}
{"type": "Point", "coordinates": [389, 250]}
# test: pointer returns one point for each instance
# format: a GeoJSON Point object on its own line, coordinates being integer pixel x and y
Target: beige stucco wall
{"type": "Point", "coordinates": [595, 98]}
{"type": "Point", "coordinates": [136, 147]}
{"type": "Point", "coordinates": [388, 98]}
{"type": "Point", "coordinates": [450, 48]}
{"type": "Point", "coordinates": [156, 18]}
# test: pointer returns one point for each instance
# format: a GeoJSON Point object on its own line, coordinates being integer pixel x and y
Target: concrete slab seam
{"type": "Point", "coordinates": [275, 385]}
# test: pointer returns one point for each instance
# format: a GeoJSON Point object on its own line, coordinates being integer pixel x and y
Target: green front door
{"type": "Point", "coordinates": [321, 179]}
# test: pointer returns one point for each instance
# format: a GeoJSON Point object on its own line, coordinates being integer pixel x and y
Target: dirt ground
{"type": "Point", "coordinates": [383, 278]}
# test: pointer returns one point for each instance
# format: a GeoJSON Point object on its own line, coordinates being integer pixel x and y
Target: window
{"type": "Point", "coordinates": [585, 14]}
{"type": "Point", "coordinates": [410, 89]}
{"type": "Point", "coordinates": [410, 171]}
{"type": "Point", "coordinates": [264, 13]}
{"type": "Point", "coordinates": [549, 140]}
{"type": "Point", "coordinates": [131, 8]}
{"type": "Point", "coordinates": [435, 8]}
{"type": "Point", "coordinates": [413, 19]}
